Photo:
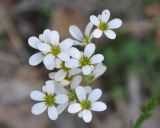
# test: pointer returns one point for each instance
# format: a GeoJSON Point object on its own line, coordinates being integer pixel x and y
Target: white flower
{"type": "Point", "coordinates": [81, 39]}
{"type": "Point", "coordinates": [64, 75]}
{"type": "Point", "coordinates": [104, 26]}
{"type": "Point", "coordinates": [84, 60]}
{"type": "Point", "coordinates": [50, 49]}
{"type": "Point", "coordinates": [97, 72]}
{"type": "Point", "coordinates": [87, 104]}
{"type": "Point", "coordinates": [48, 100]}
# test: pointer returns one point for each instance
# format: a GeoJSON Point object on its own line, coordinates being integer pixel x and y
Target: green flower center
{"type": "Point", "coordinates": [85, 104]}
{"type": "Point", "coordinates": [72, 96]}
{"type": "Point", "coordinates": [64, 67]}
{"type": "Point", "coordinates": [55, 50]}
{"type": "Point", "coordinates": [84, 61]}
{"type": "Point", "coordinates": [103, 26]}
{"type": "Point", "coordinates": [86, 40]}
{"type": "Point", "coordinates": [68, 77]}
{"type": "Point", "coordinates": [49, 100]}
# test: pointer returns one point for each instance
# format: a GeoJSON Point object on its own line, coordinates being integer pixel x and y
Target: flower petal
{"type": "Point", "coordinates": [80, 114]}
{"type": "Point", "coordinates": [81, 94]}
{"type": "Point", "coordinates": [105, 15]}
{"type": "Point", "coordinates": [74, 71]}
{"type": "Point", "coordinates": [88, 89]}
{"type": "Point", "coordinates": [60, 75]}
{"type": "Point", "coordinates": [46, 36]}
{"type": "Point", "coordinates": [86, 70]}
{"type": "Point", "coordinates": [115, 23]}
{"type": "Point", "coordinates": [110, 34]}
{"type": "Point", "coordinates": [97, 33]}
{"type": "Point", "coordinates": [61, 107]}
{"type": "Point", "coordinates": [52, 113]}
{"type": "Point", "coordinates": [33, 42]}
{"type": "Point", "coordinates": [94, 20]}
{"type": "Point", "coordinates": [66, 44]}
{"type": "Point", "coordinates": [36, 59]}
{"type": "Point", "coordinates": [49, 61]}
{"type": "Point", "coordinates": [50, 87]}
{"type": "Point", "coordinates": [89, 49]}
{"type": "Point", "coordinates": [72, 63]}
{"type": "Point", "coordinates": [37, 95]}
{"type": "Point", "coordinates": [75, 53]}
{"type": "Point", "coordinates": [88, 29]}
{"type": "Point", "coordinates": [99, 70]}
{"type": "Point", "coordinates": [95, 95]}
{"type": "Point", "coordinates": [98, 58]}
{"type": "Point", "coordinates": [38, 108]}
{"type": "Point", "coordinates": [74, 108]}
{"type": "Point", "coordinates": [76, 32]}
{"type": "Point", "coordinates": [54, 38]}
{"type": "Point", "coordinates": [76, 81]}
{"type": "Point", "coordinates": [64, 56]}
{"type": "Point", "coordinates": [60, 90]}
{"type": "Point", "coordinates": [61, 98]}
{"type": "Point", "coordinates": [87, 116]}
{"type": "Point", "coordinates": [43, 47]}
{"type": "Point", "coordinates": [98, 106]}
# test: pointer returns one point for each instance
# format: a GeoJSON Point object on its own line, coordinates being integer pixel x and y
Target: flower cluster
{"type": "Point", "coordinates": [73, 70]}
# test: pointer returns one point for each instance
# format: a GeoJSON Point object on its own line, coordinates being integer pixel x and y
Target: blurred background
{"type": "Point", "coordinates": [133, 61]}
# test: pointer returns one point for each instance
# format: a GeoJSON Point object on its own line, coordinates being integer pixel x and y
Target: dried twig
{"type": "Point", "coordinates": [11, 32]}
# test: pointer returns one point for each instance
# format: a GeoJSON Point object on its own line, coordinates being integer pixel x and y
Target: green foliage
{"type": "Point", "coordinates": [146, 111]}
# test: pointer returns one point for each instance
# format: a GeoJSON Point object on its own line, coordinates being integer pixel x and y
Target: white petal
{"type": "Point", "coordinates": [61, 107]}
{"type": "Point", "coordinates": [51, 75]}
{"type": "Point", "coordinates": [88, 89]}
{"type": "Point", "coordinates": [64, 82]}
{"type": "Point", "coordinates": [98, 106]}
{"type": "Point", "coordinates": [37, 95]}
{"type": "Point", "coordinates": [49, 61]}
{"type": "Point", "coordinates": [33, 42]}
{"type": "Point", "coordinates": [75, 53]}
{"type": "Point", "coordinates": [60, 90]}
{"type": "Point", "coordinates": [97, 33]}
{"type": "Point", "coordinates": [110, 34]}
{"type": "Point", "coordinates": [76, 32]}
{"type": "Point", "coordinates": [61, 99]}
{"type": "Point", "coordinates": [81, 94]}
{"type": "Point", "coordinates": [72, 63]}
{"type": "Point", "coordinates": [58, 63]}
{"type": "Point", "coordinates": [89, 49]}
{"type": "Point", "coordinates": [86, 70]}
{"type": "Point", "coordinates": [50, 87]}
{"type": "Point", "coordinates": [80, 114]}
{"type": "Point", "coordinates": [105, 15]}
{"type": "Point", "coordinates": [60, 75]}
{"type": "Point", "coordinates": [43, 47]}
{"type": "Point", "coordinates": [74, 71]}
{"type": "Point", "coordinates": [87, 116]}
{"type": "Point", "coordinates": [52, 113]}
{"type": "Point", "coordinates": [39, 108]}
{"type": "Point", "coordinates": [66, 44]}
{"type": "Point", "coordinates": [76, 81]}
{"type": "Point", "coordinates": [54, 38]}
{"type": "Point", "coordinates": [94, 20]}
{"type": "Point", "coordinates": [115, 23]}
{"type": "Point", "coordinates": [46, 35]}
{"type": "Point", "coordinates": [95, 95]}
{"type": "Point", "coordinates": [36, 59]}
{"type": "Point", "coordinates": [98, 58]}
{"type": "Point", "coordinates": [64, 56]}
{"type": "Point", "coordinates": [99, 70]}
{"type": "Point", "coordinates": [74, 108]}
{"type": "Point", "coordinates": [88, 29]}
